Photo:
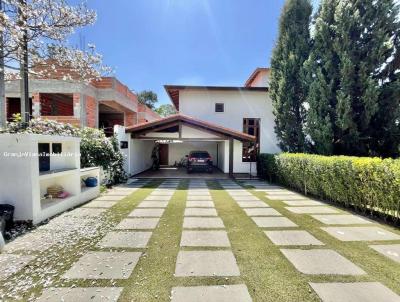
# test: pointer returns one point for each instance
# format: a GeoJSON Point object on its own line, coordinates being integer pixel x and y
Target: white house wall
{"type": "Point", "coordinates": [140, 155]}
{"type": "Point", "coordinates": [238, 165]}
{"type": "Point", "coordinates": [200, 103]}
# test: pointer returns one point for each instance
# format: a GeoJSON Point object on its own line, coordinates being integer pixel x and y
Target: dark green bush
{"type": "Point", "coordinates": [367, 184]}
{"type": "Point", "coordinates": [266, 167]}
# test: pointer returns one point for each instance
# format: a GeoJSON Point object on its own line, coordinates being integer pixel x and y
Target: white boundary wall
{"type": "Point", "coordinates": [22, 186]}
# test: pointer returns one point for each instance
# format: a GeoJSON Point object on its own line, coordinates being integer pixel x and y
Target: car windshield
{"type": "Point", "coordinates": [199, 154]}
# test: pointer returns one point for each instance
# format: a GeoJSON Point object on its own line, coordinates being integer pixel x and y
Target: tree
{"type": "Point", "coordinates": [367, 40]}
{"type": "Point", "coordinates": [287, 87]}
{"type": "Point", "coordinates": [148, 98]}
{"type": "Point", "coordinates": [165, 110]}
{"type": "Point", "coordinates": [323, 79]}
{"type": "Point", "coordinates": [35, 33]}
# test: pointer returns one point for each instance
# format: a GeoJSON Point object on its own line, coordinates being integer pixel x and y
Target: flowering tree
{"type": "Point", "coordinates": [34, 39]}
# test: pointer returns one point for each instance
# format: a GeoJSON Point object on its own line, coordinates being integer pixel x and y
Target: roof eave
{"type": "Point", "coordinates": [178, 117]}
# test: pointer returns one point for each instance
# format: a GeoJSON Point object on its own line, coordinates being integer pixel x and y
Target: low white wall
{"type": "Point", "coordinates": [17, 175]}
{"type": "Point", "coordinates": [179, 150]}
{"type": "Point", "coordinates": [23, 186]}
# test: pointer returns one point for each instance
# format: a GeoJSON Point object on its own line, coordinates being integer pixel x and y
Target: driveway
{"type": "Point", "coordinates": [204, 240]}
{"type": "Point", "coordinates": [181, 173]}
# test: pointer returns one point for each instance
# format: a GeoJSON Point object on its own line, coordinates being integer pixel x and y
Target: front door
{"type": "Point", "coordinates": [164, 154]}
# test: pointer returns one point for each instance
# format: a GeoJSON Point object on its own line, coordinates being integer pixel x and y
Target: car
{"type": "Point", "coordinates": [199, 161]}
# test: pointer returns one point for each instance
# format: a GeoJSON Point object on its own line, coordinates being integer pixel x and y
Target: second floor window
{"type": "Point", "coordinates": [219, 107]}
{"type": "Point", "coordinates": [250, 150]}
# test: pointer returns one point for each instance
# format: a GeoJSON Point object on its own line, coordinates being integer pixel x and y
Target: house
{"type": "Point", "coordinates": [233, 124]}
{"type": "Point", "coordinates": [100, 104]}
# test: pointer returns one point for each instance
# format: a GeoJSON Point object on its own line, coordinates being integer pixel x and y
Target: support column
{"type": "Point", "coordinates": [83, 112]}
{"type": "Point", "coordinates": [76, 99]}
{"type": "Point", "coordinates": [36, 107]}
{"type": "Point", "coordinates": [96, 124]}
{"type": "Point", "coordinates": [231, 157]}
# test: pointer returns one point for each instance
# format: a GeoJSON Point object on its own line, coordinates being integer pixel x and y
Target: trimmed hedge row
{"type": "Point", "coordinates": [367, 184]}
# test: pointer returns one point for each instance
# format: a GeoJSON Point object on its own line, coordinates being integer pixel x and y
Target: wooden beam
{"type": "Point", "coordinates": [180, 129]}
{"type": "Point", "coordinates": [231, 157]}
{"type": "Point", "coordinates": [178, 139]}
{"type": "Point", "coordinates": [156, 128]}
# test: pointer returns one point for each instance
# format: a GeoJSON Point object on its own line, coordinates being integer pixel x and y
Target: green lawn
{"type": "Point", "coordinates": [265, 271]}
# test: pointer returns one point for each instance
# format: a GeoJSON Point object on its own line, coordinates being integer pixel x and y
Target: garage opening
{"type": "Point", "coordinates": [180, 134]}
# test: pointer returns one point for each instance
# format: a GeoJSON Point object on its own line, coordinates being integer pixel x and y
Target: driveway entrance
{"type": "Point", "coordinates": [174, 172]}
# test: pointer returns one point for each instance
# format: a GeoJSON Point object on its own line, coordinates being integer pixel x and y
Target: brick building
{"type": "Point", "coordinates": [100, 104]}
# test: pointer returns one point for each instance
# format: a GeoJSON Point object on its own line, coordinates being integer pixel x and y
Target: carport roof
{"type": "Point", "coordinates": [185, 119]}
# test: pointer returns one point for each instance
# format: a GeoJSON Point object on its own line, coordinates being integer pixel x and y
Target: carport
{"type": "Point", "coordinates": [179, 134]}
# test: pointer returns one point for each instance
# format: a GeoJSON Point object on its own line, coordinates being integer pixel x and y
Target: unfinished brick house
{"type": "Point", "coordinates": [100, 104]}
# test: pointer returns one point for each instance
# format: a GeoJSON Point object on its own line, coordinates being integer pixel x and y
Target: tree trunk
{"type": "Point", "coordinates": [24, 89]}
{"type": "Point", "coordinates": [3, 116]}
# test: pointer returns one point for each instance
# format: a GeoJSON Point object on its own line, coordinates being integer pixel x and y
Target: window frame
{"type": "Point", "coordinates": [255, 124]}
{"type": "Point", "coordinates": [219, 104]}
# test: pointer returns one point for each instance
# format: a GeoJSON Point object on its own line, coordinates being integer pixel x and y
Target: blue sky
{"type": "Point", "coordinates": [150, 43]}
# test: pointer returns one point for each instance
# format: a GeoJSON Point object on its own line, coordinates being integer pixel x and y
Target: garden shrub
{"type": "Point", "coordinates": [99, 150]}
{"type": "Point", "coordinates": [40, 126]}
{"type": "Point", "coordinates": [266, 167]}
{"type": "Point", "coordinates": [367, 184]}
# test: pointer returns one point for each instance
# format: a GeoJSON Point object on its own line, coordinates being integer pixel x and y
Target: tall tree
{"type": "Point", "coordinates": [384, 131]}
{"type": "Point", "coordinates": [366, 41]}
{"type": "Point", "coordinates": [165, 110]}
{"type": "Point", "coordinates": [148, 98]}
{"type": "Point", "coordinates": [323, 77]}
{"type": "Point", "coordinates": [287, 87]}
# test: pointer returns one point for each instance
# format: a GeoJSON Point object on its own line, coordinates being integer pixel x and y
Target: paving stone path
{"type": "Point", "coordinates": [316, 261]}
{"type": "Point", "coordinates": [105, 263]}
{"type": "Point", "coordinates": [200, 214]}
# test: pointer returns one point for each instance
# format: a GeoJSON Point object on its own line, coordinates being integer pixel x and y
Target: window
{"type": "Point", "coordinates": [44, 157]}
{"type": "Point", "coordinates": [250, 150]}
{"type": "Point", "coordinates": [219, 107]}
{"type": "Point", "coordinates": [56, 148]}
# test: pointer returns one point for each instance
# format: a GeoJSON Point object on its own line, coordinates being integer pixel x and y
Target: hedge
{"type": "Point", "coordinates": [367, 184]}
